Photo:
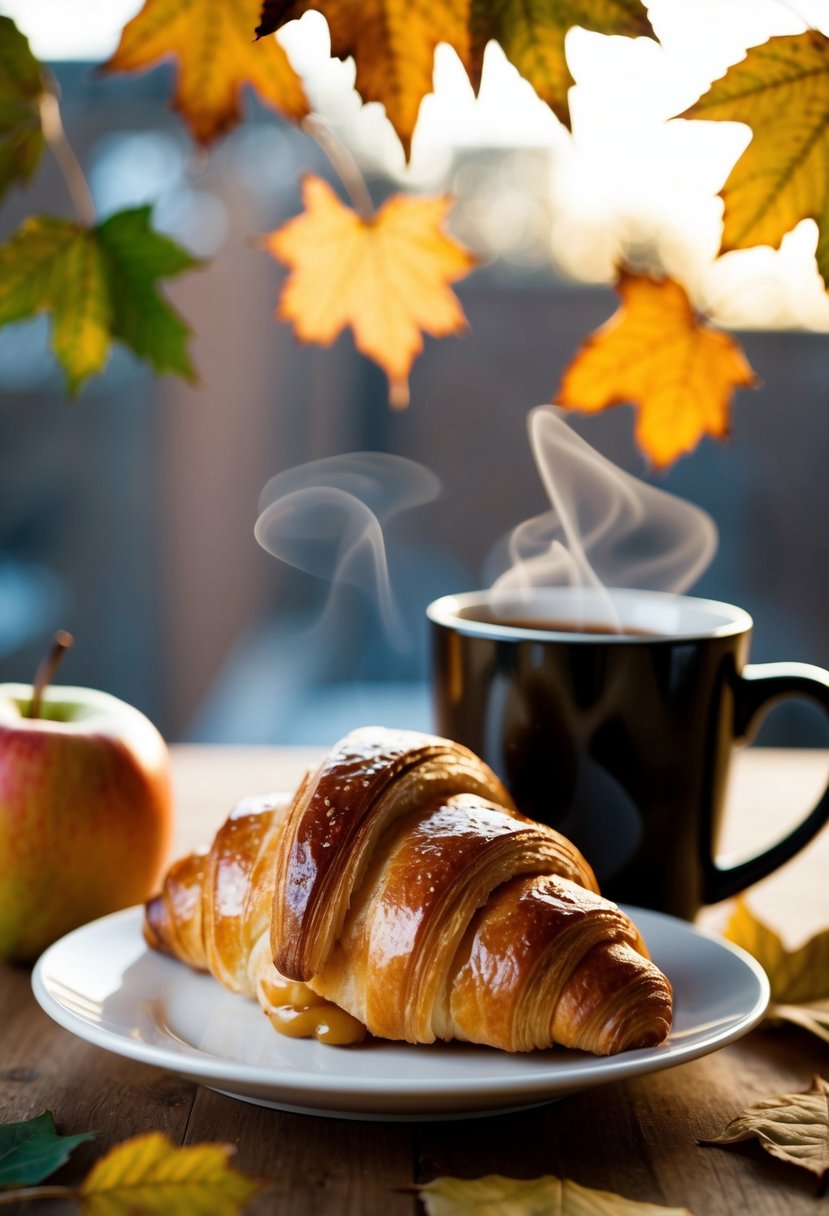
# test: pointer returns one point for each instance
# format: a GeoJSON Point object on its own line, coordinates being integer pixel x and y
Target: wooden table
{"type": "Point", "coordinates": [636, 1137]}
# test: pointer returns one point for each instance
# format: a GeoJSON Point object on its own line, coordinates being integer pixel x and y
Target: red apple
{"type": "Point", "coordinates": [85, 810]}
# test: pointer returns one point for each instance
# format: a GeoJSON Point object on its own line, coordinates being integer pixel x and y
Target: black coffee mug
{"type": "Point", "coordinates": [621, 740]}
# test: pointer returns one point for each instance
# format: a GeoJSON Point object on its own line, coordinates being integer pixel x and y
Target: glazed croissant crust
{"type": "Point", "coordinates": [401, 884]}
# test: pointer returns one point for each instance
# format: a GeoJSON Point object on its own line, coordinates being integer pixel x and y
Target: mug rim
{"type": "Point", "coordinates": [447, 612]}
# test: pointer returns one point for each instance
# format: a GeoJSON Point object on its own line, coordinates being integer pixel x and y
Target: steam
{"type": "Point", "coordinates": [605, 529]}
{"type": "Point", "coordinates": [327, 518]}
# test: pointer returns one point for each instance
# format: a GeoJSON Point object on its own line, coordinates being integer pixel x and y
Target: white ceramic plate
{"type": "Point", "coordinates": [103, 984]}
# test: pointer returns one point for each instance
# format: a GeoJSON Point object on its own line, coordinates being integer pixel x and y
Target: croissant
{"type": "Point", "coordinates": [402, 885]}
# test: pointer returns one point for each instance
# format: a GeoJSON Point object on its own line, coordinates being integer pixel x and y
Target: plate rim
{"type": "Point", "coordinates": [207, 1068]}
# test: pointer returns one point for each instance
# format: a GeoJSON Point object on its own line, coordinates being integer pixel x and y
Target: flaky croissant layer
{"type": "Point", "coordinates": [401, 884]}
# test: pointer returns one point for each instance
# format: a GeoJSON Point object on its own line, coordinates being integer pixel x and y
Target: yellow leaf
{"type": "Point", "coordinates": [799, 978]}
{"type": "Point", "coordinates": [386, 276]}
{"type": "Point", "coordinates": [393, 44]}
{"type": "Point", "coordinates": [149, 1175]}
{"type": "Point", "coordinates": [781, 90]}
{"type": "Point", "coordinates": [791, 1127]}
{"type": "Point", "coordinates": [532, 38]}
{"type": "Point", "coordinates": [495, 1195]}
{"type": "Point", "coordinates": [656, 353]}
{"type": "Point", "coordinates": [213, 43]}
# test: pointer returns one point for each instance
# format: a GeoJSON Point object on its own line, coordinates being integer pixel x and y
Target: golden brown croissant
{"type": "Point", "coordinates": [402, 885]}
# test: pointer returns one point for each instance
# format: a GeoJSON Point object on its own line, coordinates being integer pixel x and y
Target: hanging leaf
{"type": "Point", "coordinates": [799, 978]}
{"type": "Point", "coordinates": [99, 285]}
{"type": "Point", "coordinates": [656, 353]}
{"type": "Point", "coordinates": [213, 45]}
{"type": "Point", "coordinates": [791, 1127]}
{"type": "Point", "coordinates": [385, 275]}
{"type": "Point", "coordinates": [31, 1151]}
{"type": "Point", "coordinates": [150, 1175]}
{"type": "Point", "coordinates": [393, 43]}
{"type": "Point", "coordinates": [781, 90]}
{"type": "Point", "coordinates": [22, 84]}
{"type": "Point", "coordinates": [532, 38]}
{"type": "Point", "coordinates": [495, 1195]}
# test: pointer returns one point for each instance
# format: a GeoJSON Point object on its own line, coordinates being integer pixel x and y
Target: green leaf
{"type": "Point", "coordinates": [99, 285]}
{"type": "Point", "coordinates": [142, 319]}
{"type": "Point", "coordinates": [22, 83]}
{"type": "Point", "coordinates": [31, 1151]}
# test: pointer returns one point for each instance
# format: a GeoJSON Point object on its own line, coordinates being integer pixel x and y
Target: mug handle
{"type": "Point", "coordinates": [756, 689]}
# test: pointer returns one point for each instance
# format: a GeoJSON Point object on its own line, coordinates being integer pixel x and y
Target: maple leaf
{"type": "Point", "coordinates": [532, 37]}
{"type": "Point", "coordinates": [22, 84]}
{"type": "Point", "coordinates": [791, 1127]}
{"type": "Point", "coordinates": [781, 90]}
{"type": "Point", "coordinates": [393, 44]}
{"type": "Point", "coordinates": [150, 1174]}
{"type": "Point", "coordinates": [99, 284]}
{"type": "Point", "coordinates": [386, 276]}
{"type": "Point", "coordinates": [799, 979]}
{"type": "Point", "coordinates": [213, 43]}
{"type": "Point", "coordinates": [496, 1195]}
{"type": "Point", "coordinates": [656, 353]}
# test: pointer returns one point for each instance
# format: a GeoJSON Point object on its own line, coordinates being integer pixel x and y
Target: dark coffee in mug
{"type": "Point", "coordinates": [613, 717]}
{"type": "Point", "coordinates": [548, 625]}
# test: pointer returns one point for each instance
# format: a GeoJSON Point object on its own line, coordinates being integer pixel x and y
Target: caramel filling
{"type": "Point", "coordinates": [295, 1010]}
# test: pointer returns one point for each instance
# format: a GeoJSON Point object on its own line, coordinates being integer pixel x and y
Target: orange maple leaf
{"type": "Point", "coordinates": [656, 353]}
{"type": "Point", "coordinates": [393, 44]}
{"type": "Point", "coordinates": [217, 56]}
{"type": "Point", "coordinates": [386, 275]}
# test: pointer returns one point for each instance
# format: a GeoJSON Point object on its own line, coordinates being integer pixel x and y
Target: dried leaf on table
{"type": "Point", "coordinates": [792, 1127]}
{"type": "Point", "coordinates": [392, 42]}
{"type": "Point", "coordinates": [213, 45]}
{"type": "Point", "coordinates": [532, 38]}
{"type": "Point", "coordinates": [656, 353]}
{"type": "Point", "coordinates": [781, 90]}
{"type": "Point", "coordinates": [99, 285]}
{"type": "Point", "coordinates": [22, 84]}
{"type": "Point", "coordinates": [32, 1150]}
{"type": "Point", "coordinates": [496, 1195]}
{"type": "Point", "coordinates": [149, 1174]}
{"type": "Point", "coordinates": [799, 978]}
{"type": "Point", "coordinates": [386, 276]}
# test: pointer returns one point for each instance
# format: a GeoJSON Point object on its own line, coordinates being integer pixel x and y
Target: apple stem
{"type": "Point", "coordinates": [48, 666]}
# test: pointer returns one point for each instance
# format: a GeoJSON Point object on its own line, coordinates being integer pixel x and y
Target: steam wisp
{"type": "Point", "coordinates": [605, 528]}
{"type": "Point", "coordinates": [327, 518]}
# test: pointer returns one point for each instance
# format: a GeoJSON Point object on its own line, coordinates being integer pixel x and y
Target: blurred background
{"type": "Point", "coordinates": [127, 515]}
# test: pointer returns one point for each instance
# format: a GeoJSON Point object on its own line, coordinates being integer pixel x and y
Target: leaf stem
{"type": "Point", "coordinates": [25, 1193]}
{"type": "Point", "coordinates": [343, 162]}
{"type": "Point", "coordinates": [68, 163]}
{"type": "Point", "coordinates": [48, 666]}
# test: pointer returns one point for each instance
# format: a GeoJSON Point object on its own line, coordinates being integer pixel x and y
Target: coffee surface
{"type": "Point", "coordinates": [551, 625]}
